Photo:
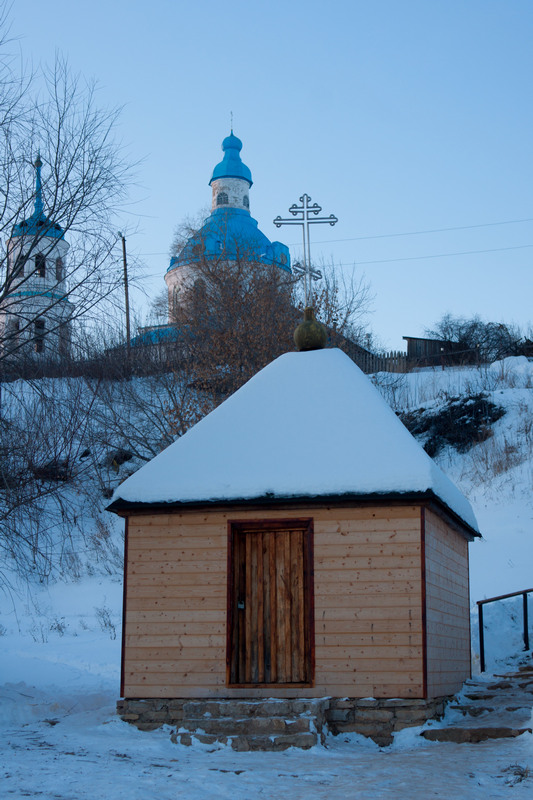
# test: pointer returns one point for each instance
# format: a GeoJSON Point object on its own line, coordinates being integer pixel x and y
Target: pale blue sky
{"type": "Point", "coordinates": [397, 116]}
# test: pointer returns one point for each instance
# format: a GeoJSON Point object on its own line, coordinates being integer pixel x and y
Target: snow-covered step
{"type": "Point", "coordinates": [270, 724]}
{"type": "Point", "coordinates": [489, 710]}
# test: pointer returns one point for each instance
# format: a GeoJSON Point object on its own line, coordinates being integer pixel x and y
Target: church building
{"type": "Point", "coordinates": [35, 313]}
{"type": "Point", "coordinates": [229, 232]}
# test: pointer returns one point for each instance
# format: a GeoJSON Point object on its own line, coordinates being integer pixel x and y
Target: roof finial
{"type": "Point", "coordinates": [38, 187]}
{"type": "Point", "coordinates": [231, 117]}
{"type": "Point", "coordinates": [310, 334]}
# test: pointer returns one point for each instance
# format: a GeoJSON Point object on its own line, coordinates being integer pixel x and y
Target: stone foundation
{"type": "Point", "coordinates": [277, 724]}
{"type": "Point", "coordinates": [379, 719]}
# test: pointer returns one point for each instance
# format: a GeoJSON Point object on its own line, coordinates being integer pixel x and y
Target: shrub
{"type": "Point", "coordinates": [459, 423]}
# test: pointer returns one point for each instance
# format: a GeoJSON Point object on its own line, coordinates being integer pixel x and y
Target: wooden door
{"type": "Point", "coordinates": [270, 603]}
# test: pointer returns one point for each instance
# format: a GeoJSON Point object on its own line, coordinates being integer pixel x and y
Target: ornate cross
{"type": "Point", "coordinates": [306, 215]}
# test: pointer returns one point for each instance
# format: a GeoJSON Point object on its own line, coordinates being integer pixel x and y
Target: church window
{"type": "Point", "coordinates": [64, 340]}
{"type": "Point", "coordinates": [13, 327]}
{"type": "Point", "coordinates": [222, 199]}
{"type": "Point", "coordinates": [174, 303]}
{"type": "Point", "coordinates": [19, 266]}
{"type": "Point", "coordinates": [40, 265]}
{"type": "Point", "coordinates": [59, 269]}
{"type": "Point", "coordinates": [245, 201]}
{"type": "Point", "coordinates": [38, 338]}
{"type": "Point", "coordinates": [199, 296]}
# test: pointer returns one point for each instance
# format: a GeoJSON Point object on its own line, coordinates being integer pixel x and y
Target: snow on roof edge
{"type": "Point", "coordinates": [119, 505]}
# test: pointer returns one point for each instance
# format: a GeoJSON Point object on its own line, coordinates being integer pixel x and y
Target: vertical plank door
{"type": "Point", "coordinates": [270, 613]}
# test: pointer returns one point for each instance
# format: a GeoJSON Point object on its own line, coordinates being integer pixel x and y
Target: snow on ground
{"type": "Point", "coordinates": [60, 738]}
{"type": "Point", "coordinates": [60, 661]}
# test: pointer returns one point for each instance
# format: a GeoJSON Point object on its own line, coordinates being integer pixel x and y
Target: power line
{"type": "Point", "coordinates": [435, 255]}
{"type": "Point", "coordinates": [392, 235]}
{"type": "Point", "coordinates": [406, 258]}
{"type": "Point", "coordinates": [430, 230]}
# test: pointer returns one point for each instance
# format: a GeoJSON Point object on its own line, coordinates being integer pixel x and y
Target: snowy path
{"type": "Point", "coordinates": [92, 754]}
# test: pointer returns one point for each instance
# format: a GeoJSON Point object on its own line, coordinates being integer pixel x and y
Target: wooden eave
{"type": "Point", "coordinates": [427, 499]}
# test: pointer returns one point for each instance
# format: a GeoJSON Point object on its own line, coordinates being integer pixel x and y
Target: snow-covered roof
{"type": "Point", "coordinates": [309, 425]}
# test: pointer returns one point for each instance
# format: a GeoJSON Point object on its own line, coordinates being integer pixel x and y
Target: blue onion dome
{"type": "Point", "coordinates": [231, 165]}
{"type": "Point", "coordinates": [38, 224]}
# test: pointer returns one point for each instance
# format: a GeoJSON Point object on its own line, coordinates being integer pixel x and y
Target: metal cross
{"type": "Point", "coordinates": [303, 217]}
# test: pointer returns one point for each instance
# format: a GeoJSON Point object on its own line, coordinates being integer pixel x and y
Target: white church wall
{"type": "Point", "coordinates": [235, 189]}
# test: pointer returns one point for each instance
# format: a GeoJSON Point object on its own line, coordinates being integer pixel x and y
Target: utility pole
{"type": "Point", "coordinates": [306, 215]}
{"type": "Point", "coordinates": [126, 296]}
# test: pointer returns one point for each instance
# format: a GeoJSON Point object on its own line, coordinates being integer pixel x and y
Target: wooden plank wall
{"type": "Point", "coordinates": [368, 609]}
{"type": "Point", "coordinates": [447, 607]}
{"type": "Point", "coordinates": [368, 604]}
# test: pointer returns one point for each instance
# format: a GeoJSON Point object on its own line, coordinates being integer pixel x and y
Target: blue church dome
{"type": "Point", "coordinates": [230, 231]}
{"type": "Point", "coordinates": [38, 224]}
{"type": "Point", "coordinates": [231, 165]}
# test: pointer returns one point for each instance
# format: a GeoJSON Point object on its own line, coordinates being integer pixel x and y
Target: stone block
{"type": "Point", "coordinates": [181, 738]}
{"type": "Point", "coordinates": [240, 744]}
{"type": "Point", "coordinates": [129, 717]}
{"type": "Point", "coordinates": [175, 714]}
{"type": "Point", "coordinates": [340, 714]}
{"type": "Point", "coordinates": [343, 703]}
{"type": "Point", "coordinates": [176, 705]}
{"type": "Point", "coordinates": [300, 725]}
{"type": "Point", "coordinates": [303, 740]}
{"type": "Point", "coordinates": [148, 726]}
{"type": "Point", "coordinates": [311, 706]}
{"type": "Point", "coordinates": [413, 716]}
{"type": "Point", "coordinates": [371, 729]}
{"type": "Point", "coordinates": [258, 725]}
{"type": "Point", "coordinates": [403, 703]}
{"type": "Point", "coordinates": [282, 742]}
{"type": "Point", "coordinates": [136, 706]}
{"type": "Point", "coordinates": [373, 715]}
{"type": "Point", "coordinates": [155, 716]}
{"type": "Point", "coordinates": [277, 708]}
{"type": "Point", "coordinates": [197, 708]}
{"type": "Point", "coordinates": [473, 735]}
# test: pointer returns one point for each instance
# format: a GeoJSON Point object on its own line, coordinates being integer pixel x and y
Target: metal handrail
{"type": "Point", "coordinates": [481, 603]}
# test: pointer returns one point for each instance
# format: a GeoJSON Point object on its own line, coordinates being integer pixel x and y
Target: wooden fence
{"type": "Point", "coordinates": [394, 361]}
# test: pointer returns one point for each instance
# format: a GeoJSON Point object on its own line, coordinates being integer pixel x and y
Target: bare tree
{"type": "Point", "coordinates": [343, 303]}
{"type": "Point", "coordinates": [50, 115]}
{"type": "Point", "coordinates": [477, 339]}
{"type": "Point", "coordinates": [235, 315]}
{"type": "Point", "coordinates": [54, 114]}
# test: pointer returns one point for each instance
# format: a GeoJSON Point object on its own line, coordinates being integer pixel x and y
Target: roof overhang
{"type": "Point", "coordinates": [424, 499]}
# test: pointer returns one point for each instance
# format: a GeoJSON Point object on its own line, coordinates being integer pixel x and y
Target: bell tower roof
{"type": "Point", "coordinates": [231, 165]}
{"type": "Point", "coordinates": [38, 224]}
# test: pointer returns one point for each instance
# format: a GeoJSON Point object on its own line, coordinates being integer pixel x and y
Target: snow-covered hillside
{"type": "Point", "coordinates": [495, 474]}
{"type": "Point", "coordinates": [59, 668]}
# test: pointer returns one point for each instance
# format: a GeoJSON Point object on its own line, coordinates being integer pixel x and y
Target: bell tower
{"type": "Point", "coordinates": [35, 313]}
